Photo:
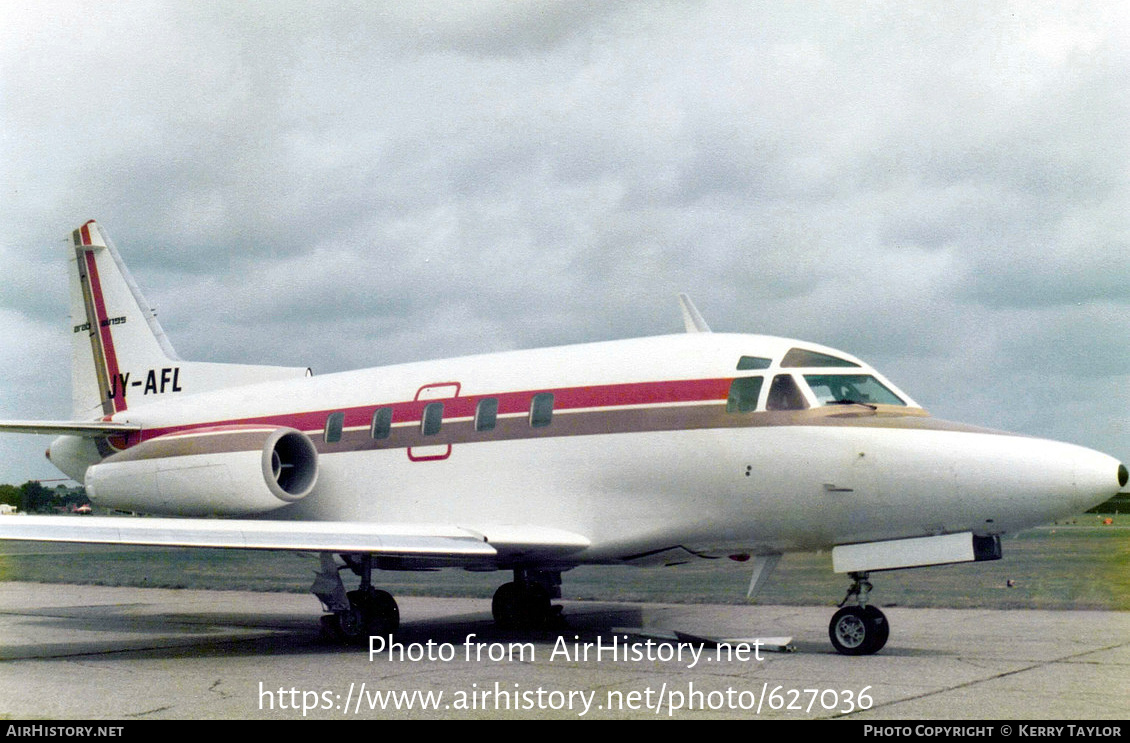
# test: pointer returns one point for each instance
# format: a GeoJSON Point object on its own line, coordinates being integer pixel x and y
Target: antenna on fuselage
{"type": "Point", "coordinates": [691, 316]}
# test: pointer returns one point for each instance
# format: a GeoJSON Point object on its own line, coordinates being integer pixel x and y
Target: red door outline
{"type": "Point", "coordinates": [434, 391]}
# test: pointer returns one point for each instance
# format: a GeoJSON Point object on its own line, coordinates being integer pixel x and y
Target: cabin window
{"type": "Point", "coordinates": [381, 426]}
{"type": "Point", "coordinates": [784, 394]}
{"type": "Point", "coordinates": [486, 414]}
{"type": "Point", "coordinates": [334, 424]}
{"type": "Point", "coordinates": [432, 420]}
{"type": "Point", "coordinates": [803, 357]}
{"type": "Point", "coordinates": [743, 395]}
{"type": "Point", "coordinates": [841, 389]}
{"type": "Point", "coordinates": [541, 409]}
{"type": "Point", "coordinates": [753, 362]}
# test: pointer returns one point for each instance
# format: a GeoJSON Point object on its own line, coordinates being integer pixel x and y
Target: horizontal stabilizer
{"type": "Point", "coordinates": [93, 429]}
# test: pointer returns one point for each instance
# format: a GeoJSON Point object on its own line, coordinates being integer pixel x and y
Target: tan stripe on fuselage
{"type": "Point", "coordinates": [588, 422]}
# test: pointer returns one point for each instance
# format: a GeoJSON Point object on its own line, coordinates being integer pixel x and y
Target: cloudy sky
{"type": "Point", "coordinates": [940, 188]}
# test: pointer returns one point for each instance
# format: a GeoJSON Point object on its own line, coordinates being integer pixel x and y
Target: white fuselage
{"type": "Point", "coordinates": [641, 453]}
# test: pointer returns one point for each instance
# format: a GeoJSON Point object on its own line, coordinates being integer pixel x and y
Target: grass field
{"type": "Point", "coordinates": [1084, 566]}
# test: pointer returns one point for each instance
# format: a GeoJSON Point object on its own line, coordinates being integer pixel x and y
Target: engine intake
{"type": "Point", "coordinates": [290, 464]}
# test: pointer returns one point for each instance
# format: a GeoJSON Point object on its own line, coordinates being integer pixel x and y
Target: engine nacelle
{"type": "Point", "coordinates": [223, 471]}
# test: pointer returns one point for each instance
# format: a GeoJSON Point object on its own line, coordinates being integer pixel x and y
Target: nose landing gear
{"type": "Point", "coordinates": [859, 629]}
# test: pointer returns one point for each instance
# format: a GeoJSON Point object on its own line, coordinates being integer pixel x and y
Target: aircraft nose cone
{"type": "Point", "coordinates": [1036, 481]}
{"type": "Point", "coordinates": [1098, 477]}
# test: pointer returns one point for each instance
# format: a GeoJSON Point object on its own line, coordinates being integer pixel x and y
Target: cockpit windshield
{"type": "Point", "coordinates": [841, 389]}
{"type": "Point", "coordinates": [797, 357]}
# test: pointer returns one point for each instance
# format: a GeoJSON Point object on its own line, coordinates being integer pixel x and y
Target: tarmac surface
{"type": "Point", "coordinates": [88, 652]}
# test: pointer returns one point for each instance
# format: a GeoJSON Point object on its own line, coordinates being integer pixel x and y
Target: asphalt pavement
{"type": "Point", "coordinates": [89, 652]}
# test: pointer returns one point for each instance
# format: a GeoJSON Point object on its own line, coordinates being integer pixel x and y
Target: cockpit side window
{"type": "Point", "coordinates": [784, 394]}
{"type": "Point", "coordinates": [753, 362]}
{"type": "Point", "coordinates": [797, 357]}
{"type": "Point", "coordinates": [744, 392]}
{"type": "Point", "coordinates": [840, 389]}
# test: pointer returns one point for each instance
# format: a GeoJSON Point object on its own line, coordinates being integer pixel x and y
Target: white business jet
{"type": "Point", "coordinates": [654, 451]}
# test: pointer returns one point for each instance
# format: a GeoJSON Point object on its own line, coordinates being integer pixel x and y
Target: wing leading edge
{"type": "Point", "coordinates": [430, 541]}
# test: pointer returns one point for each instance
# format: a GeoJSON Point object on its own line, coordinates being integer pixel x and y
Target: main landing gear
{"type": "Point", "coordinates": [525, 603]}
{"type": "Point", "coordinates": [355, 615]}
{"type": "Point", "coordinates": [859, 629]}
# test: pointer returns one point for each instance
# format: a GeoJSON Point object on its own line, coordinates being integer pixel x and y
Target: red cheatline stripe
{"type": "Point", "coordinates": [85, 233]}
{"type": "Point", "coordinates": [119, 400]}
{"type": "Point", "coordinates": [596, 396]}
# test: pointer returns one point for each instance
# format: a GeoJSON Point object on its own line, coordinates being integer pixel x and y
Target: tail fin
{"type": "Point", "coordinates": [120, 356]}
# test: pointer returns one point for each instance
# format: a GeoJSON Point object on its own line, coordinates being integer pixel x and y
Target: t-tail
{"type": "Point", "coordinates": [121, 358]}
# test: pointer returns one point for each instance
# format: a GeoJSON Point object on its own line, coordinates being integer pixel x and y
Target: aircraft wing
{"type": "Point", "coordinates": [425, 541]}
{"type": "Point", "coordinates": [92, 429]}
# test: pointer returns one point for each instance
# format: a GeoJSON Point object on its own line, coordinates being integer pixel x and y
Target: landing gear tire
{"type": "Point", "coordinates": [370, 612]}
{"type": "Point", "coordinates": [518, 606]}
{"type": "Point", "coordinates": [883, 627]}
{"type": "Point", "coordinates": [859, 630]}
{"type": "Point", "coordinates": [379, 613]}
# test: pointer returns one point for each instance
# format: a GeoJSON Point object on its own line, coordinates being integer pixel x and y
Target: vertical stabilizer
{"type": "Point", "coordinates": [112, 323]}
{"type": "Point", "coordinates": [120, 356]}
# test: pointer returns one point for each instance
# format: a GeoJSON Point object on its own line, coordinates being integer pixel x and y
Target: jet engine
{"type": "Point", "coordinates": [221, 471]}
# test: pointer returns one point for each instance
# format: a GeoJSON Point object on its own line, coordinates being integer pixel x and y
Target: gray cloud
{"type": "Point", "coordinates": [941, 189]}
